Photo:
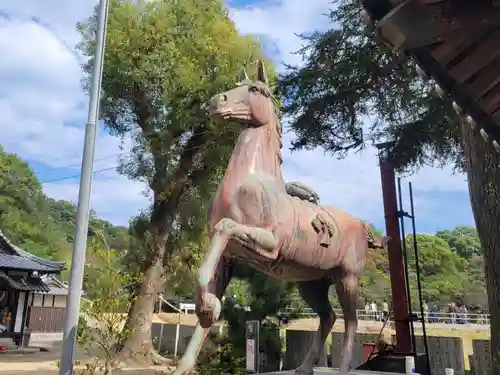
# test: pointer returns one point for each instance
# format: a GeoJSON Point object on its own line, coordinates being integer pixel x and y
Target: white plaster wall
{"type": "Point", "coordinates": [37, 300]}
{"type": "Point", "coordinates": [20, 312]}
{"type": "Point", "coordinates": [60, 301]}
{"type": "Point", "coordinates": [45, 337]}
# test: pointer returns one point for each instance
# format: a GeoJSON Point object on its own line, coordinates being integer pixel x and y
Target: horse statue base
{"type": "Point", "coordinates": [331, 371]}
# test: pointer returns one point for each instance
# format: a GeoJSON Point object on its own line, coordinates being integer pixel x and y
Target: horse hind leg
{"type": "Point", "coordinates": [315, 294]}
{"type": "Point", "coordinates": [217, 287]}
{"type": "Point", "coordinates": [347, 292]}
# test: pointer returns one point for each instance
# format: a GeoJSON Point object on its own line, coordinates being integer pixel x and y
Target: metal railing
{"type": "Point", "coordinates": [430, 317]}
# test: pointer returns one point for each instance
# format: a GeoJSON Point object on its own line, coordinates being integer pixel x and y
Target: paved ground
{"type": "Point", "coordinates": [41, 363]}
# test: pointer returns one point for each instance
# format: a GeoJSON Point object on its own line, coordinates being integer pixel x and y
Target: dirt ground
{"type": "Point", "coordinates": [45, 363]}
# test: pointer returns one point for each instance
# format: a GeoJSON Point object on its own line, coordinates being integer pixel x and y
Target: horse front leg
{"type": "Point", "coordinates": [217, 287]}
{"type": "Point", "coordinates": [259, 239]}
{"type": "Point", "coordinates": [214, 276]}
{"type": "Point", "coordinates": [208, 306]}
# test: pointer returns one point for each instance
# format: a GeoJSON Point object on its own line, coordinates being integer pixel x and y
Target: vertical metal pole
{"type": "Point", "coordinates": [161, 338]}
{"type": "Point", "coordinates": [407, 273]}
{"type": "Point", "coordinates": [395, 254]}
{"type": "Point", "coordinates": [177, 328]}
{"type": "Point", "coordinates": [419, 282]}
{"type": "Point", "coordinates": [82, 216]}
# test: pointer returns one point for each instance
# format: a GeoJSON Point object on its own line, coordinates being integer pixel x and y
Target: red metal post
{"type": "Point", "coordinates": [395, 253]}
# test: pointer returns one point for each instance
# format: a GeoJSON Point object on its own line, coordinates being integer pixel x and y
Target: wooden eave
{"type": "Point", "coordinates": [457, 47]}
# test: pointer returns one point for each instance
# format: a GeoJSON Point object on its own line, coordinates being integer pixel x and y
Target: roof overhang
{"type": "Point", "coordinates": [412, 27]}
{"type": "Point", "coordinates": [24, 284]}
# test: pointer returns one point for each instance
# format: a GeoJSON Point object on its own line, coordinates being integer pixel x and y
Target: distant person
{"type": "Point", "coordinates": [433, 314]}
{"type": "Point", "coordinates": [367, 311]}
{"type": "Point", "coordinates": [463, 313]}
{"type": "Point", "coordinates": [426, 312]}
{"type": "Point", "coordinates": [374, 310]}
{"type": "Point", "coordinates": [452, 307]}
{"type": "Point", "coordinates": [385, 310]}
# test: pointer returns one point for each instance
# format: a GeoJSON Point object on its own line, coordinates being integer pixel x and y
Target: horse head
{"type": "Point", "coordinates": [250, 103]}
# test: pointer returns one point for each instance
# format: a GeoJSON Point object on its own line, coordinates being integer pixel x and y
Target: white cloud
{"type": "Point", "coordinates": [44, 110]}
{"type": "Point", "coordinates": [281, 21]}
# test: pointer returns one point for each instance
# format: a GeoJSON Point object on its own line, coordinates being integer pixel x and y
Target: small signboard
{"type": "Point", "coordinates": [250, 356]}
{"type": "Point", "coordinates": [252, 347]}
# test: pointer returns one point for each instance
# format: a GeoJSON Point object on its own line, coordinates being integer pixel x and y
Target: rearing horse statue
{"type": "Point", "coordinates": [276, 228]}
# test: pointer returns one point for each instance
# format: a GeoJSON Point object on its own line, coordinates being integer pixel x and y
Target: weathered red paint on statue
{"type": "Point", "coordinates": [276, 228]}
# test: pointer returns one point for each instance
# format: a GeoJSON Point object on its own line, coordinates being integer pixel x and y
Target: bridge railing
{"type": "Point", "coordinates": [430, 317]}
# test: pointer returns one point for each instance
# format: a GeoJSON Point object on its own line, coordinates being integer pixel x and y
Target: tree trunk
{"type": "Point", "coordinates": [483, 172]}
{"type": "Point", "coordinates": [139, 342]}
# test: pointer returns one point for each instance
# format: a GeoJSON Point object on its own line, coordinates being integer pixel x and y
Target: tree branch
{"type": "Point", "coordinates": [164, 209]}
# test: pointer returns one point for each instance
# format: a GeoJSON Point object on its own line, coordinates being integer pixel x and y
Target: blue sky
{"type": "Point", "coordinates": [44, 112]}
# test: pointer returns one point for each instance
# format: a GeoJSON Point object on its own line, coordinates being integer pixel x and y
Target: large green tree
{"type": "Point", "coordinates": [24, 210]}
{"type": "Point", "coordinates": [443, 272]}
{"type": "Point", "coordinates": [462, 240]}
{"type": "Point", "coordinates": [347, 76]}
{"type": "Point", "coordinates": [163, 61]}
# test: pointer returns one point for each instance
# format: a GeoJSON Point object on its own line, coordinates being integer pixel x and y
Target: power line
{"type": "Point", "coordinates": [44, 25]}
{"type": "Point", "coordinates": [77, 175]}
{"type": "Point", "coordinates": [104, 169]}
{"type": "Point", "coordinates": [96, 159]}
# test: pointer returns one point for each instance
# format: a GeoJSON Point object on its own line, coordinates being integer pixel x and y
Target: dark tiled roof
{"type": "Point", "coordinates": [15, 258]}
{"type": "Point", "coordinates": [36, 285]}
{"type": "Point", "coordinates": [56, 286]}
{"type": "Point", "coordinates": [56, 291]}
{"type": "Point", "coordinates": [16, 262]}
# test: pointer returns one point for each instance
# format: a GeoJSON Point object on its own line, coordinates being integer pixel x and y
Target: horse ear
{"type": "Point", "coordinates": [261, 72]}
{"type": "Point", "coordinates": [242, 75]}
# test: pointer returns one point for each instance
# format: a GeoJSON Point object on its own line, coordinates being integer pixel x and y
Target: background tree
{"type": "Point", "coordinates": [462, 240]}
{"type": "Point", "coordinates": [163, 62]}
{"type": "Point", "coordinates": [347, 76]}
{"type": "Point", "coordinates": [443, 272]}
{"type": "Point", "coordinates": [24, 210]}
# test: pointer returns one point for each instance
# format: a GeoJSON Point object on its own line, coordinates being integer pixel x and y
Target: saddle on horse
{"type": "Point", "coordinates": [302, 191]}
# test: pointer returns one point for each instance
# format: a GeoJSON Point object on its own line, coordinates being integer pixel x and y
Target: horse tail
{"type": "Point", "coordinates": [374, 241]}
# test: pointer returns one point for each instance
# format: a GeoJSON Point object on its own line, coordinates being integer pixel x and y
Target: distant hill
{"type": "Point", "coordinates": [39, 224]}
